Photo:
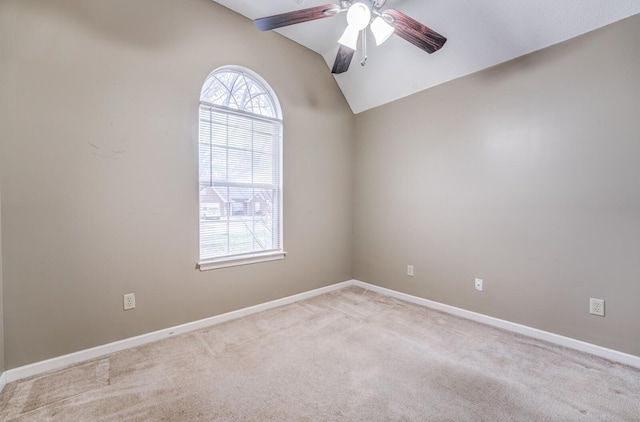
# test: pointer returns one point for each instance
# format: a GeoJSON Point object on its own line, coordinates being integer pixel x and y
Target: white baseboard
{"type": "Point", "coordinates": [99, 351]}
{"type": "Point", "coordinates": [3, 381]}
{"type": "Point", "coordinates": [571, 343]}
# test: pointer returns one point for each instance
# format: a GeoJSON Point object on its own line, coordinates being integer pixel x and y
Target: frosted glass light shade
{"type": "Point", "coordinates": [381, 30]}
{"type": "Point", "coordinates": [358, 16]}
{"type": "Point", "coordinates": [350, 37]}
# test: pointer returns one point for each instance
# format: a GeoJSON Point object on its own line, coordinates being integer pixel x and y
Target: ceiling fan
{"type": "Point", "coordinates": [360, 14]}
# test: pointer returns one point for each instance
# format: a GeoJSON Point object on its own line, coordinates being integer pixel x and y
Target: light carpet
{"type": "Point", "coordinates": [350, 355]}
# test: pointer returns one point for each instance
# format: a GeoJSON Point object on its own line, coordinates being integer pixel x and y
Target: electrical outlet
{"type": "Point", "coordinates": [129, 301]}
{"type": "Point", "coordinates": [478, 284]}
{"type": "Point", "coordinates": [596, 307]}
{"type": "Point", "coordinates": [410, 270]}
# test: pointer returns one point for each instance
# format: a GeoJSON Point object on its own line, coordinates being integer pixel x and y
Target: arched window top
{"type": "Point", "coordinates": [239, 89]}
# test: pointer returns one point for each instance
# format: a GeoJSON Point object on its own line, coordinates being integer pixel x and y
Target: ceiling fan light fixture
{"type": "Point", "coordinates": [359, 16]}
{"type": "Point", "coordinates": [381, 30]}
{"type": "Point", "coordinates": [350, 37]}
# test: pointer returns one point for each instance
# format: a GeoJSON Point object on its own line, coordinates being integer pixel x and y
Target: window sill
{"type": "Point", "coordinates": [244, 260]}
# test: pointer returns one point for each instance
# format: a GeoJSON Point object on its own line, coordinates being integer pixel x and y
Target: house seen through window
{"type": "Point", "coordinates": [240, 176]}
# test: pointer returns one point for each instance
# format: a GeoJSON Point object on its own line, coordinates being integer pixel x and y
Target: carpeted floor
{"type": "Point", "coordinates": [351, 355]}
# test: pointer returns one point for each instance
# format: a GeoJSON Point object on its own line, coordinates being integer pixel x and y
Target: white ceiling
{"type": "Point", "coordinates": [480, 34]}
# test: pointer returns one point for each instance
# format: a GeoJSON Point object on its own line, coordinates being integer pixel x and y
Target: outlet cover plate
{"type": "Point", "coordinates": [129, 301]}
{"type": "Point", "coordinates": [596, 307]}
{"type": "Point", "coordinates": [478, 284]}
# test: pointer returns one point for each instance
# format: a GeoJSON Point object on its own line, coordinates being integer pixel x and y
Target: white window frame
{"type": "Point", "coordinates": [278, 252]}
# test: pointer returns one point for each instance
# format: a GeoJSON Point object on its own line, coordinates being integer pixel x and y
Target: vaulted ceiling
{"type": "Point", "coordinates": [480, 34]}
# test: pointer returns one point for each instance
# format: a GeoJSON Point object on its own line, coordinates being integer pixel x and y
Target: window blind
{"type": "Point", "coordinates": [240, 183]}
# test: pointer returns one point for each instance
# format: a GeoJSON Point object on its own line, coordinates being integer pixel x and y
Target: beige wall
{"type": "Point", "coordinates": [99, 169]}
{"type": "Point", "coordinates": [1, 294]}
{"type": "Point", "coordinates": [525, 175]}
{"type": "Point", "coordinates": [4, 40]}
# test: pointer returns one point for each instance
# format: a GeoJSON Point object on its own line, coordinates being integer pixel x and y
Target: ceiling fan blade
{"type": "Point", "coordinates": [343, 59]}
{"type": "Point", "coordinates": [298, 16]}
{"type": "Point", "coordinates": [415, 32]}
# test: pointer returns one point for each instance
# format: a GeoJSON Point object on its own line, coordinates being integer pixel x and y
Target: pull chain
{"type": "Point", "coordinates": [364, 47]}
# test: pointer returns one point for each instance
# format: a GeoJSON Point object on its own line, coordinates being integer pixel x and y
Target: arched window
{"type": "Point", "coordinates": [240, 162]}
